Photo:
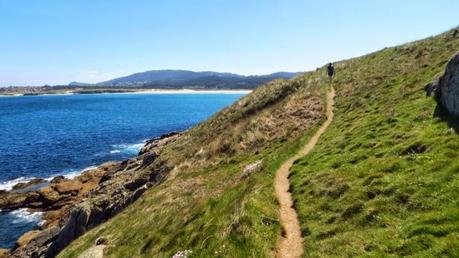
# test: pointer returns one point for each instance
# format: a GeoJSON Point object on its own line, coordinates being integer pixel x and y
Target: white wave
{"type": "Point", "coordinates": [126, 148]}
{"type": "Point", "coordinates": [8, 185]}
{"type": "Point", "coordinates": [24, 216]}
{"type": "Point", "coordinates": [74, 173]}
{"type": "Point", "coordinates": [71, 173]}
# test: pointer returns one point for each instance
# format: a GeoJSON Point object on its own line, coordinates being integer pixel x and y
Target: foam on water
{"type": "Point", "coordinates": [15, 223]}
{"type": "Point", "coordinates": [24, 216]}
{"type": "Point", "coordinates": [126, 148]}
{"type": "Point", "coordinates": [71, 173]}
{"type": "Point", "coordinates": [8, 185]}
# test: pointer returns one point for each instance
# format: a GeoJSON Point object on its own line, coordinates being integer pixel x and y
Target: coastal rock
{"type": "Point", "coordinates": [4, 253]}
{"type": "Point", "coordinates": [157, 143]}
{"type": "Point", "coordinates": [68, 187]}
{"type": "Point", "coordinates": [148, 158]}
{"type": "Point", "coordinates": [26, 237]}
{"type": "Point", "coordinates": [73, 206]}
{"type": "Point", "coordinates": [48, 196]}
{"type": "Point", "coordinates": [74, 227]}
{"type": "Point", "coordinates": [136, 183]}
{"type": "Point", "coordinates": [35, 181]}
{"type": "Point", "coordinates": [52, 217]}
{"type": "Point", "coordinates": [38, 245]}
{"type": "Point", "coordinates": [58, 179]}
{"type": "Point", "coordinates": [12, 200]}
{"type": "Point", "coordinates": [446, 88]}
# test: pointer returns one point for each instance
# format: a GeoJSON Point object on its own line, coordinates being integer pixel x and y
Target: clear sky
{"type": "Point", "coordinates": [55, 42]}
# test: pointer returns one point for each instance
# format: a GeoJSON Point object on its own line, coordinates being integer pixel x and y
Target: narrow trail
{"type": "Point", "coordinates": [291, 243]}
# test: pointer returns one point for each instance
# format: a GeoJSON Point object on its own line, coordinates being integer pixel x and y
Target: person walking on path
{"type": "Point", "coordinates": [330, 72]}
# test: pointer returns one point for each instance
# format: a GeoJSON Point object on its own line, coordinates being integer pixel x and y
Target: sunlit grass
{"type": "Point", "coordinates": [383, 180]}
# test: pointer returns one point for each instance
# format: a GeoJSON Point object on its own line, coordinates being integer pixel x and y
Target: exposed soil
{"type": "Point", "coordinates": [291, 242]}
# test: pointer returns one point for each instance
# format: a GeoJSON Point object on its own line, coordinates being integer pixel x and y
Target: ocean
{"type": "Point", "coordinates": [46, 136]}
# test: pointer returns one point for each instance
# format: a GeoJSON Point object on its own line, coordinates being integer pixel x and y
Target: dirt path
{"type": "Point", "coordinates": [291, 243]}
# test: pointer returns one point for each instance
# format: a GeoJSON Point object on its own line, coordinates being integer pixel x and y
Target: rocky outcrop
{"type": "Point", "coordinates": [24, 239]}
{"type": "Point", "coordinates": [96, 251]}
{"type": "Point", "coordinates": [73, 206]}
{"type": "Point", "coordinates": [251, 168]}
{"type": "Point", "coordinates": [155, 144]}
{"type": "Point", "coordinates": [446, 88]}
{"type": "Point", "coordinates": [20, 187]}
{"type": "Point", "coordinates": [4, 253]}
{"type": "Point", "coordinates": [56, 194]}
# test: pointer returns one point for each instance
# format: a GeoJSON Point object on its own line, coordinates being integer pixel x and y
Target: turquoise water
{"type": "Point", "coordinates": [45, 136]}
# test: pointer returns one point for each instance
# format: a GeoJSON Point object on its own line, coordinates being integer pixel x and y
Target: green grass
{"type": "Point", "coordinates": [215, 214]}
{"type": "Point", "coordinates": [384, 178]}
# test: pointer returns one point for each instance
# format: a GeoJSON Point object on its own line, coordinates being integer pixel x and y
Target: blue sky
{"type": "Point", "coordinates": [55, 42]}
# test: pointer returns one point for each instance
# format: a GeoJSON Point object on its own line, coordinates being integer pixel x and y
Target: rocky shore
{"type": "Point", "coordinates": [70, 207]}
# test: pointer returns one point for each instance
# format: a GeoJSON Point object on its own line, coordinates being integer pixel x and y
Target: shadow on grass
{"type": "Point", "coordinates": [452, 121]}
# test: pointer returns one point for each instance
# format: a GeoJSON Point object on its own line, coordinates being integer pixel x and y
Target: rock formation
{"type": "Point", "coordinates": [446, 88]}
{"type": "Point", "coordinates": [72, 206]}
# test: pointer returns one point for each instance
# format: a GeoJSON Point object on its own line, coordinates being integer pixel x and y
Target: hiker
{"type": "Point", "coordinates": [330, 71]}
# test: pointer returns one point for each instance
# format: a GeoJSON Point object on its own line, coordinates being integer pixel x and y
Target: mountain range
{"type": "Point", "coordinates": [177, 79]}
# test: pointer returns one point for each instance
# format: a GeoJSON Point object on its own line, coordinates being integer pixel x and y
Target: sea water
{"type": "Point", "coordinates": [46, 136]}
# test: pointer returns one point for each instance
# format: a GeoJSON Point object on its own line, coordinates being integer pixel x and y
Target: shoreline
{"type": "Point", "coordinates": [134, 91]}
{"type": "Point", "coordinates": [190, 91]}
{"type": "Point", "coordinates": [71, 189]}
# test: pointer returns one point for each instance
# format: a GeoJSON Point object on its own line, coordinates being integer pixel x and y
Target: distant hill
{"type": "Point", "coordinates": [176, 79]}
{"type": "Point", "coordinates": [79, 84]}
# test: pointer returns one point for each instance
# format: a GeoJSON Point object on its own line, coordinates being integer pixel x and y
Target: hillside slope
{"type": "Point", "coordinates": [382, 180]}
{"type": "Point", "coordinates": [218, 197]}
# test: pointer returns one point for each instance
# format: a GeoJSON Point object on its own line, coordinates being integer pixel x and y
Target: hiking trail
{"type": "Point", "coordinates": [291, 242]}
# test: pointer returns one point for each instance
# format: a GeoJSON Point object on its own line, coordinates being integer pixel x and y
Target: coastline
{"type": "Point", "coordinates": [190, 91]}
{"type": "Point", "coordinates": [48, 203]}
{"type": "Point", "coordinates": [133, 91]}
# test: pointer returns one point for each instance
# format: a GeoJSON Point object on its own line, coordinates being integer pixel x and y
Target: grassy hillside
{"type": "Point", "coordinates": [381, 181]}
{"type": "Point", "coordinates": [384, 178]}
{"type": "Point", "coordinates": [208, 204]}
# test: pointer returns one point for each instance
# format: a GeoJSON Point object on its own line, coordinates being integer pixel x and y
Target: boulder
{"type": "Point", "coordinates": [22, 186]}
{"type": "Point", "coordinates": [49, 196]}
{"type": "Point", "coordinates": [58, 179]}
{"type": "Point", "coordinates": [38, 245]}
{"type": "Point", "coordinates": [52, 217]}
{"type": "Point", "coordinates": [12, 200]}
{"type": "Point", "coordinates": [157, 143]}
{"type": "Point", "coordinates": [148, 158]}
{"type": "Point", "coordinates": [251, 168]}
{"type": "Point", "coordinates": [136, 183]}
{"type": "Point", "coordinates": [448, 87]}
{"type": "Point", "coordinates": [26, 237]}
{"type": "Point", "coordinates": [68, 187]}
{"type": "Point", "coordinates": [4, 253]}
{"type": "Point", "coordinates": [108, 166]}
{"type": "Point", "coordinates": [74, 227]}
{"type": "Point", "coordinates": [94, 252]}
